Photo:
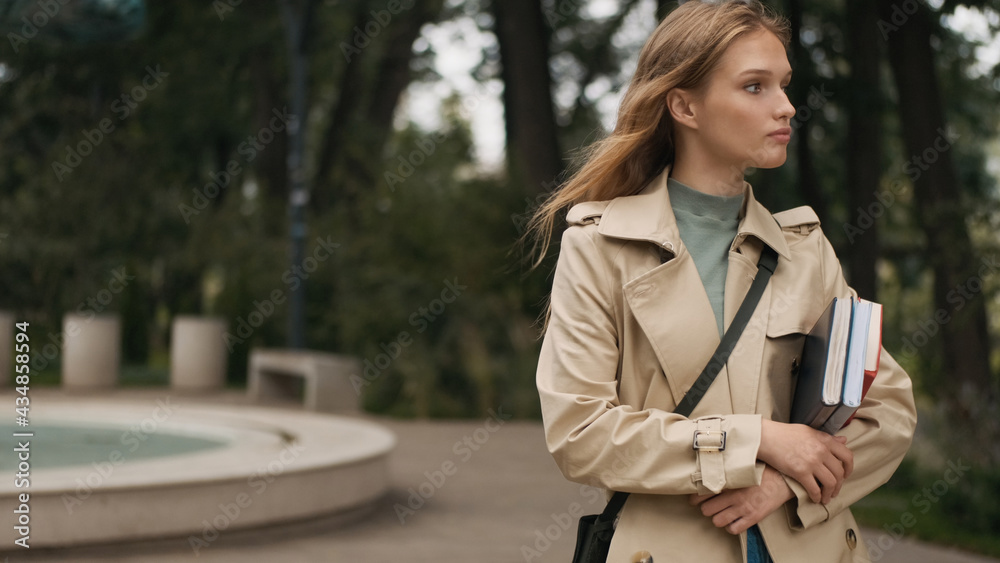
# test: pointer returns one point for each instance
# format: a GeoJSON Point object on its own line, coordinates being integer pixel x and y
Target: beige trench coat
{"type": "Point", "coordinates": [631, 328]}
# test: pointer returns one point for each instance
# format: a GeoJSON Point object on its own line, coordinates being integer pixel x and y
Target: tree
{"type": "Point", "coordinates": [863, 145]}
{"type": "Point", "coordinates": [805, 77]}
{"type": "Point", "coordinates": [360, 114]}
{"type": "Point", "coordinates": [532, 148]}
{"type": "Point", "coordinates": [968, 387]}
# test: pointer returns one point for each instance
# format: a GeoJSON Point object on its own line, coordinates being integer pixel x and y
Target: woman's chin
{"type": "Point", "coordinates": [773, 160]}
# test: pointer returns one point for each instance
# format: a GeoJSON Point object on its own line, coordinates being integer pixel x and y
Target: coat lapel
{"type": "Point", "coordinates": [678, 322]}
{"type": "Point", "coordinates": [670, 304]}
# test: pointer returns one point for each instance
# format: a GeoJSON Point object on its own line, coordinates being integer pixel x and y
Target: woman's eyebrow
{"type": "Point", "coordinates": [763, 71]}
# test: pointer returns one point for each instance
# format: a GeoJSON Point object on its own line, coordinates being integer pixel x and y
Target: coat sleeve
{"type": "Point", "coordinates": [593, 437]}
{"type": "Point", "coordinates": [881, 431]}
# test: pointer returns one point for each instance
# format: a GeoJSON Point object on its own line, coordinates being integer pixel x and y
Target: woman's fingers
{"type": "Point", "coordinates": [722, 511]}
{"type": "Point", "coordinates": [697, 499]}
{"type": "Point", "coordinates": [738, 526]}
{"type": "Point", "coordinates": [828, 482]}
{"type": "Point", "coordinates": [836, 467]}
{"type": "Point", "coordinates": [844, 454]}
{"type": "Point", "coordinates": [738, 509]}
{"type": "Point", "coordinates": [809, 482]}
{"type": "Point", "coordinates": [716, 504]}
{"type": "Point", "coordinates": [725, 518]}
{"type": "Point", "coordinates": [818, 461]}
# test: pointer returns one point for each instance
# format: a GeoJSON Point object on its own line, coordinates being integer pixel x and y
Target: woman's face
{"type": "Point", "coordinates": [745, 116]}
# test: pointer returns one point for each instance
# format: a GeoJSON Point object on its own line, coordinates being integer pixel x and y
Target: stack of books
{"type": "Point", "coordinates": [839, 363]}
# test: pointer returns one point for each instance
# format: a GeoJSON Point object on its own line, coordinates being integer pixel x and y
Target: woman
{"type": "Point", "coordinates": [662, 245]}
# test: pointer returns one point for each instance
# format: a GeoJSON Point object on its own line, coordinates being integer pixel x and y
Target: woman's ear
{"type": "Point", "coordinates": [680, 105]}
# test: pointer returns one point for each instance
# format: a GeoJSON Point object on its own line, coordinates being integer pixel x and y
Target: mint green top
{"type": "Point", "coordinates": [708, 224]}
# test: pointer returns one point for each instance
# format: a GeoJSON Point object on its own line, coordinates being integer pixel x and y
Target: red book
{"type": "Point", "coordinates": [873, 352]}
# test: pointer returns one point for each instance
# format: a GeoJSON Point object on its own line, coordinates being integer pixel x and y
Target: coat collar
{"type": "Point", "coordinates": [648, 216]}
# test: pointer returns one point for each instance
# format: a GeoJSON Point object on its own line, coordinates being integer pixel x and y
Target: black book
{"type": "Point", "coordinates": [819, 388]}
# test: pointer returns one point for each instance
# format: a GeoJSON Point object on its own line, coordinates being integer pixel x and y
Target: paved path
{"type": "Point", "coordinates": [487, 502]}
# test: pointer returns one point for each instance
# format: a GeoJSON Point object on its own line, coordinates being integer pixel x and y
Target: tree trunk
{"type": "Point", "coordinates": [864, 140]}
{"type": "Point", "coordinates": [393, 74]}
{"type": "Point", "coordinates": [351, 90]}
{"type": "Point", "coordinates": [532, 148]}
{"type": "Point", "coordinates": [805, 78]}
{"type": "Point", "coordinates": [365, 106]}
{"type": "Point", "coordinates": [663, 8]}
{"type": "Point", "coordinates": [967, 385]}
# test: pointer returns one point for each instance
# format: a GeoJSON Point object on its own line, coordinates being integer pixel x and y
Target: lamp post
{"type": "Point", "coordinates": [296, 15]}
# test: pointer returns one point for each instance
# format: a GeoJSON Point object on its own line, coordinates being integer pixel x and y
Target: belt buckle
{"type": "Point", "coordinates": [719, 439]}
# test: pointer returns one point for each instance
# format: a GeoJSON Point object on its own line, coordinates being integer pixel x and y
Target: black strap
{"type": "Point", "coordinates": [765, 267]}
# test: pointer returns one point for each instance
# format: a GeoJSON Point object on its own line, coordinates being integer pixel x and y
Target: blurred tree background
{"type": "Point", "coordinates": [166, 155]}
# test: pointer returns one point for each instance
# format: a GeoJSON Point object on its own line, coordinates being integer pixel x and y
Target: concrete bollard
{"type": "Point", "coordinates": [92, 351]}
{"type": "Point", "coordinates": [198, 353]}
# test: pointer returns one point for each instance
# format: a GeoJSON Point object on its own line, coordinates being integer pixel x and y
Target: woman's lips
{"type": "Point", "coordinates": [783, 135]}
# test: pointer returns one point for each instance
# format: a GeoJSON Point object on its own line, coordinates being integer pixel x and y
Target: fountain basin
{"type": "Point", "coordinates": [182, 468]}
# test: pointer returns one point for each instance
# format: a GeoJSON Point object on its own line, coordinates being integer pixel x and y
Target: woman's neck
{"type": "Point", "coordinates": [709, 178]}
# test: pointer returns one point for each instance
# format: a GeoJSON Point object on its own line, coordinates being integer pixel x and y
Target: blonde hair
{"type": "Point", "coordinates": [681, 53]}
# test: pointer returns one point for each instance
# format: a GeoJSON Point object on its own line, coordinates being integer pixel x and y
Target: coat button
{"type": "Point", "coordinates": [852, 538]}
{"type": "Point", "coordinates": [795, 367]}
{"type": "Point", "coordinates": [642, 557]}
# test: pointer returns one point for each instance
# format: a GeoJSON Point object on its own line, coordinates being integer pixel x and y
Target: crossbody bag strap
{"type": "Point", "coordinates": [766, 266]}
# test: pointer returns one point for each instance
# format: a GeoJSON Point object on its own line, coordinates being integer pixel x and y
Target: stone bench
{"type": "Point", "coordinates": [324, 378]}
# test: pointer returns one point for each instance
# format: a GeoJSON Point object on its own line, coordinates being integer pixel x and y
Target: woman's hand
{"type": "Point", "coordinates": [738, 509]}
{"type": "Point", "coordinates": [818, 461]}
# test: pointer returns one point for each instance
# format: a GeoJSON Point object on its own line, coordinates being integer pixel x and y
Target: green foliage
{"type": "Point", "coordinates": [937, 506]}
{"type": "Point", "coordinates": [416, 244]}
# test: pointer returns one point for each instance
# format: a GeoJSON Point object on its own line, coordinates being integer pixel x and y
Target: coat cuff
{"type": "Point", "coordinates": [735, 467]}
{"type": "Point", "coordinates": [802, 511]}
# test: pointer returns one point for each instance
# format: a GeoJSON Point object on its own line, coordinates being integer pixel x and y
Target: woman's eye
{"type": "Point", "coordinates": [752, 88]}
